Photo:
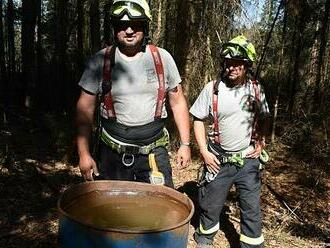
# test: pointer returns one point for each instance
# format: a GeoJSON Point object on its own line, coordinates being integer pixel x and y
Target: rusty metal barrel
{"type": "Point", "coordinates": [122, 214]}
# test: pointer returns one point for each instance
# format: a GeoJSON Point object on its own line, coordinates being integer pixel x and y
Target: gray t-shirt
{"type": "Point", "coordinates": [134, 85]}
{"type": "Point", "coordinates": [236, 110]}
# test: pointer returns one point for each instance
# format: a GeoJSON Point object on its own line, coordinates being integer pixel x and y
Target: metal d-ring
{"type": "Point", "coordinates": [124, 162]}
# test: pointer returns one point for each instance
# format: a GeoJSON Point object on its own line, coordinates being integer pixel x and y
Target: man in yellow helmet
{"type": "Point", "coordinates": [235, 105]}
{"type": "Point", "coordinates": [133, 79]}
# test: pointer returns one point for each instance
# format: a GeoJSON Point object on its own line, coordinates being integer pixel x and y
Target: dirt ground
{"type": "Point", "coordinates": [295, 198]}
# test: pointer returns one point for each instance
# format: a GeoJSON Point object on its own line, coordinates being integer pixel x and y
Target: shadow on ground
{"type": "Point", "coordinates": [191, 189]}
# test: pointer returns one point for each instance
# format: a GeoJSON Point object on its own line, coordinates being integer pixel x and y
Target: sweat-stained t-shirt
{"type": "Point", "coordinates": [134, 84]}
{"type": "Point", "coordinates": [236, 110]}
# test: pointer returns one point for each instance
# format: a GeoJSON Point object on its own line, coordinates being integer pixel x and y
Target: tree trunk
{"type": "Point", "coordinates": [60, 55]}
{"type": "Point", "coordinates": [182, 41]}
{"type": "Point", "coordinates": [3, 73]}
{"type": "Point", "coordinates": [279, 75]}
{"type": "Point", "coordinates": [294, 102]}
{"type": "Point", "coordinates": [107, 33]}
{"type": "Point", "coordinates": [80, 34]}
{"type": "Point", "coordinates": [323, 44]}
{"type": "Point", "coordinates": [94, 16]}
{"type": "Point", "coordinates": [11, 50]}
{"type": "Point", "coordinates": [39, 101]}
{"type": "Point", "coordinates": [29, 17]}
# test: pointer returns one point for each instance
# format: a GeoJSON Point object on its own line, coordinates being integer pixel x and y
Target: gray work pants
{"type": "Point", "coordinates": [212, 197]}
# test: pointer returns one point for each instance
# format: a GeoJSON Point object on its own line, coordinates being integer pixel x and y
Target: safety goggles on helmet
{"type": "Point", "coordinates": [234, 51]}
{"type": "Point", "coordinates": [132, 10]}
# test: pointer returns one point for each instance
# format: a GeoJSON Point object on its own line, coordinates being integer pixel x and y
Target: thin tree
{"type": "Point", "coordinates": [298, 47]}
{"type": "Point", "coordinates": [323, 43]}
{"type": "Point", "coordinates": [107, 34]}
{"type": "Point", "coordinates": [39, 54]}
{"type": "Point", "coordinates": [279, 74]}
{"type": "Point", "coordinates": [11, 44]}
{"type": "Point", "coordinates": [61, 40]}
{"type": "Point", "coordinates": [80, 34]}
{"type": "Point", "coordinates": [94, 16]}
{"type": "Point", "coordinates": [29, 18]}
{"type": "Point", "coordinates": [3, 76]}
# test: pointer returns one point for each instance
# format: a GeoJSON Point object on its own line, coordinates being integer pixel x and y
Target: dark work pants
{"type": "Point", "coordinates": [111, 167]}
{"type": "Point", "coordinates": [212, 197]}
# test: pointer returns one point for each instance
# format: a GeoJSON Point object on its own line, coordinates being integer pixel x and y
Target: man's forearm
{"type": "Point", "coordinates": [84, 122]}
{"type": "Point", "coordinates": [83, 137]}
{"type": "Point", "coordinates": [200, 135]}
{"type": "Point", "coordinates": [181, 118]}
{"type": "Point", "coordinates": [179, 107]}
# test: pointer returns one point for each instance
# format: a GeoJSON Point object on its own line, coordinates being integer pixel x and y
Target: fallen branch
{"type": "Point", "coordinates": [280, 198]}
{"type": "Point", "coordinates": [234, 219]}
{"type": "Point", "coordinates": [11, 233]}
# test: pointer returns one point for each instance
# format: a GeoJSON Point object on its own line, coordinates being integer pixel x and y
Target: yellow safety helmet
{"type": "Point", "coordinates": [239, 48]}
{"type": "Point", "coordinates": [126, 10]}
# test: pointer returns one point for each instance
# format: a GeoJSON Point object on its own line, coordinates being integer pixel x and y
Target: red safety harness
{"type": "Point", "coordinates": [108, 64]}
{"type": "Point", "coordinates": [215, 110]}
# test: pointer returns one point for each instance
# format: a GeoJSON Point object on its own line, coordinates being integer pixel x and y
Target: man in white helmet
{"type": "Point", "coordinates": [133, 79]}
{"type": "Point", "coordinates": [235, 105]}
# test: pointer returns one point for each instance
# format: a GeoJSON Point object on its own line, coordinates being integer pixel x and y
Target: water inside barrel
{"type": "Point", "coordinates": [134, 211]}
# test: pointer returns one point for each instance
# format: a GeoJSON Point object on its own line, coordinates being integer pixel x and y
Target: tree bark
{"type": "Point", "coordinates": [298, 46]}
{"type": "Point", "coordinates": [323, 44]}
{"type": "Point", "coordinates": [11, 48]}
{"type": "Point", "coordinates": [60, 56]}
{"type": "Point", "coordinates": [279, 75]}
{"type": "Point", "coordinates": [94, 16]}
{"type": "Point", "coordinates": [80, 34]}
{"type": "Point", "coordinates": [3, 72]}
{"type": "Point", "coordinates": [29, 18]}
{"type": "Point", "coordinates": [107, 33]}
{"type": "Point", "coordinates": [39, 59]}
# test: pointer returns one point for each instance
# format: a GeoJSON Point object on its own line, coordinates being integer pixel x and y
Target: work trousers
{"type": "Point", "coordinates": [111, 167]}
{"type": "Point", "coordinates": [212, 197]}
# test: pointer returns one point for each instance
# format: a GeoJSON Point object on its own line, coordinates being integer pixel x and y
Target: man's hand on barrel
{"type": "Point", "coordinates": [87, 167]}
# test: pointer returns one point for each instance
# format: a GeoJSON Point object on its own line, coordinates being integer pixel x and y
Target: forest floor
{"type": "Point", "coordinates": [295, 196]}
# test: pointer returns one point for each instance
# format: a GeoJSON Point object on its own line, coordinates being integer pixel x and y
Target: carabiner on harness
{"type": "Point", "coordinates": [124, 159]}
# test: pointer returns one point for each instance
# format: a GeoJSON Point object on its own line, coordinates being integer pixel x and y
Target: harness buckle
{"type": "Point", "coordinates": [131, 150]}
{"type": "Point", "coordinates": [222, 159]}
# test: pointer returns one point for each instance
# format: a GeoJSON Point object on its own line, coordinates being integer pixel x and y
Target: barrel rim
{"type": "Point", "coordinates": [138, 184]}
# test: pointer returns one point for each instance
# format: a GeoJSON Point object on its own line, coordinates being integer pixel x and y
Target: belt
{"type": "Point", "coordinates": [131, 149]}
{"type": "Point", "coordinates": [232, 157]}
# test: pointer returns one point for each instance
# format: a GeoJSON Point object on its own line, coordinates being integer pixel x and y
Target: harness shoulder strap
{"type": "Point", "coordinates": [215, 111]}
{"type": "Point", "coordinates": [108, 63]}
{"type": "Point", "coordinates": [255, 85]}
{"type": "Point", "coordinates": [161, 80]}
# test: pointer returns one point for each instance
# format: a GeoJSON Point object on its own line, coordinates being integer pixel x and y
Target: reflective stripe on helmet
{"type": "Point", "coordinates": [252, 241]}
